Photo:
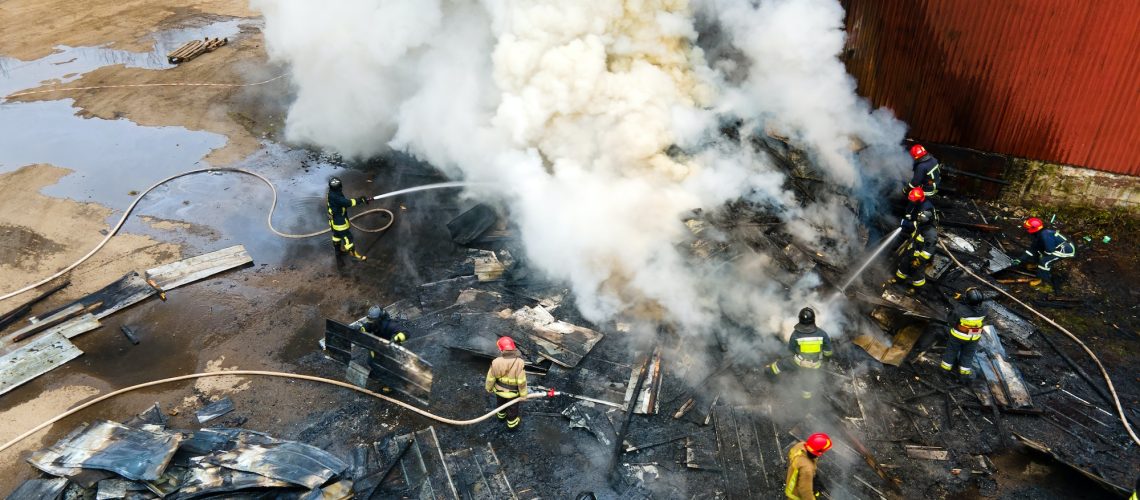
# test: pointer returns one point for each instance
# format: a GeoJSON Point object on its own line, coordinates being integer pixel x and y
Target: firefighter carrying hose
{"type": "Point", "coordinates": [507, 380]}
{"type": "Point", "coordinates": [338, 219]}
{"type": "Point", "coordinates": [381, 324]}
{"type": "Point", "coordinates": [966, 320]}
{"type": "Point", "coordinates": [1048, 246]}
{"type": "Point", "coordinates": [809, 344]}
{"type": "Point", "coordinates": [802, 457]}
{"type": "Point", "coordinates": [927, 171]}
{"type": "Point", "coordinates": [918, 225]}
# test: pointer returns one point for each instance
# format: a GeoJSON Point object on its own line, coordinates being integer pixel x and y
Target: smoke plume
{"type": "Point", "coordinates": [601, 124]}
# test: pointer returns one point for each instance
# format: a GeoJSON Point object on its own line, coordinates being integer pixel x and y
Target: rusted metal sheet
{"type": "Point", "coordinates": [1053, 80]}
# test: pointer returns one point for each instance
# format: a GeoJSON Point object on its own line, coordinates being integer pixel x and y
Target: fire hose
{"type": "Point", "coordinates": [1074, 338]}
{"type": "Point", "coordinates": [268, 221]}
{"type": "Point", "coordinates": [547, 394]}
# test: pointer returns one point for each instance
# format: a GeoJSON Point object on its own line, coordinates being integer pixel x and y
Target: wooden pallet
{"type": "Point", "coordinates": [195, 48]}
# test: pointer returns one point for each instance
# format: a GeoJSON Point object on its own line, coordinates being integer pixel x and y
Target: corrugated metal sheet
{"type": "Point", "coordinates": [1053, 80]}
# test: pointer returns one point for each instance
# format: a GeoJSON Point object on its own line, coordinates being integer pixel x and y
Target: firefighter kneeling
{"type": "Point", "coordinates": [507, 380]}
{"type": "Point", "coordinates": [809, 345]}
{"type": "Point", "coordinates": [800, 481]}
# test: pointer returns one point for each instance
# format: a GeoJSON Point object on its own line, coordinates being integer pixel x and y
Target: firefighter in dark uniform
{"type": "Point", "coordinates": [966, 321]}
{"type": "Point", "coordinates": [507, 380]}
{"type": "Point", "coordinates": [1048, 246]}
{"type": "Point", "coordinates": [808, 344]}
{"type": "Point", "coordinates": [926, 172]}
{"type": "Point", "coordinates": [922, 238]}
{"type": "Point", "coordinates": [381, 324]}
{"type": "Point", "coordinates": [338, 206]}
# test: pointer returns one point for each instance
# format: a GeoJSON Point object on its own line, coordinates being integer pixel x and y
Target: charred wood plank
{"type": "Point", "coordinates": [22, 309]}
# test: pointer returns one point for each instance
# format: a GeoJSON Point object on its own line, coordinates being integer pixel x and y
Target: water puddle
{"type": "Point", "coordinates": [110, 158]}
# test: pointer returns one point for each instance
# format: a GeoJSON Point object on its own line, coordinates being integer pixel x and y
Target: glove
{"type": "Point", "coordinates": [365, 200]}
{"type": "Point", "coordinates": [399, 337]}
{"type": "Point", "coordinates": [1015, 262]}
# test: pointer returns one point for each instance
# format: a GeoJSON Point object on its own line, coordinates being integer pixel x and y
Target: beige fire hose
{"type": "Point", "coordinates": [230, 373]}
{"type": "Point", "coordinates": [268, 221]}
{"type": "Point", "coordinates": [1103, 372]}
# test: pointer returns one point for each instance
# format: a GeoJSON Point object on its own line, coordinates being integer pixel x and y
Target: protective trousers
{"type": "Point", "coordinates": [512, 415]}
{"type": "Point", "coordinates": [804, 376]}
{"type": "Point", "coordinates": [961, 353]}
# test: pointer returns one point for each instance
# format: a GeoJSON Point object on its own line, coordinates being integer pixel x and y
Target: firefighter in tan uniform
{"type": "Point", "coordinates": [799, 483]}
{"type": "Point", "coordinates": [507, 380]}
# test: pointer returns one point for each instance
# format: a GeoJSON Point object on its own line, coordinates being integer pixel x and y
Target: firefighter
{"type": "Point", "coordinates": [966, 320]}
{"type": "Point", "coordinates": [507, 380]}
{"type": "Point", "coordinates": [381, 324]}
{"type": "Point", "coordinates": [1048, 246]}
{"type": "Point", "coordinates": [802, 457]}
{"type": "Point", "coordinates": [338, 206]}
{"type": "Point", "coordinates": [927, 171]}
{"type": "Point", "coordinates": [808, 344]}
{"type": "Point", "coordinates": [918, 225]}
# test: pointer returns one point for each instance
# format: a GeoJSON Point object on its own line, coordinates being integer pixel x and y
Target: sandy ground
{"type": "Point", "coordinates": [42, 235]}
{"type": "Point", "coordinates": [33, 27]}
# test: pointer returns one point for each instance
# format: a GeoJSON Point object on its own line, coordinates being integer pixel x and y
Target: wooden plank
{"type": "Point", "coordinates": [488, 267]}
{"type": "Point", "coordinates": [497, 482]}
{"type": "Point", "coordinates": [176, 274]}
{"type": "Point", "coordinates": [901, 344]}
{"type": "Point", "coordinates": [731, 453]}
{"type": "Point", "coordinates": [1001, 376]}
{"type": "Point", "coordinates": [647, 402]}
{"type": "Point", "coordinates": [22, 309]}
{"type": "Point", "coordinates": [124, 292]}
{"type": "Point", "coordinates": [43, 324]}
{"type": "Point", "coordinates": [467, 475]}
{"type": "Point", "coordinates": [558, 341]}
{"type": "Point", "coordinates": [438, 475]}
{"type": "Point", "coordinates": [35, 358]}
{"type": "Point", "coordinates": [927, 452]}
{"type": "Point", "coordinates": [756, 475]}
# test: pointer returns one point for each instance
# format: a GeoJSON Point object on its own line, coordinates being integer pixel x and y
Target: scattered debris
{"type": "Point", "coordinates": [584, 415]}
{"type": "Point", "coordinates": [373, 358]}
{"type": "Point", "coordinates": [558, 341]}
{"type": "Point", "coordinates": [488, 267]}
{"type": "Point", "coordinates": [134, 453]}
{"type": "Point", "coordinates": [470, 225]}
{"type": "Point", "coordinates": [647, 400]}
{"type": "Point", "coordinates": [927, 452]}
{"type": "Point", "coordinates": [195, 48]}
{"type": "Point", "coordinates": [39, 356]}
{"type": "Point", "coordinates": [23, 309]}
{"type": "Point", "coordinates": [1119, 491]}
{"type": "Point", "coordinates": [215, 410]}
{"type": "Point", "coordinates": [129, 333]}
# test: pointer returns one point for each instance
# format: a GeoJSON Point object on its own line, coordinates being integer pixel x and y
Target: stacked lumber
{"type": "Point", "coordinates": [195, 48]}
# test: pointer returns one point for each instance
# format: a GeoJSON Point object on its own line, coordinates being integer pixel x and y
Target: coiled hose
{"type": "Point", "coordinates": [268, 222]}
{"type": "Point", "coordinates": [1074, 338]}
{"type": "Point", "coordinates": [229, 373]}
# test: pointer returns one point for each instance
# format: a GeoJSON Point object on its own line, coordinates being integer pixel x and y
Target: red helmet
{"type": "Point", "coordinates": [916, 195]}
{"type": "Point", "coordinates": [1033, 224]}
{"type": "Point", "coordinates": [817, 443]}
{"type": "Point", "coordinates": [917, 151]}
{"type": "Point", "coordinates": [506, 344]}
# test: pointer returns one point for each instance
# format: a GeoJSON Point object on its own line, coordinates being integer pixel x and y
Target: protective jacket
{"type": "Point", "coordinates": [927, 173]}
{"type": "Point", "coordinates": [798, 485]}
{"type": "Point", "coordinates": [966, 322]}
{"type": "Point", "coordinates": [338, 209]}
{"type": "Point", "coordinates": [384, 327]}
{"type": "Point", "coordinates": [506, 377]}
{"type": "Point", "coordinates": [809, 344]}
{"type": "Point", "coordinates": [1049, 245]}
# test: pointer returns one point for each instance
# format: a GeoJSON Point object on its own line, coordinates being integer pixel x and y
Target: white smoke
{"type": "Point", "coordinates": [568, 109]}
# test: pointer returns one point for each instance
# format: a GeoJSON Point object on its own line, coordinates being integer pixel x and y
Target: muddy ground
{"type": "Point", "coordinates": [270, 315]}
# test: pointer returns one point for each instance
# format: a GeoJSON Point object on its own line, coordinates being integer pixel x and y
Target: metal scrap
{"type": "Point", "coordinates": [215, 410]}
{"type": "Point", "coordinates": [297, 463]}
{"type": "Point", "coordinates": [136, 454]}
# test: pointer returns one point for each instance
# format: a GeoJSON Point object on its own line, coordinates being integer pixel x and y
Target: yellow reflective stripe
{"type": "Point", "coordinates": [340, 227]}
{"type": "Point", "coordinates": [507, 394]}
{"type": "Point", "coordinates": [965, 336]}
{"type": "Point", "coordinates": [923, 254]}
{"type": "Point", "coordinates": [790, 488]}
{"type": "Point", "coordinates": [810, 345]}
{"type": "Point", "coordinates": [512, 381]}
{"type": "Point", "coordinates": [919, 239]}
{"type": "Point", "coordinates": [972, 321]}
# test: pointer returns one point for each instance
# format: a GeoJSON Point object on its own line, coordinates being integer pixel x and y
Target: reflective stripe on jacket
{"type": "Point", "coordinates": [926, 172]}
{"type": "Point", "coordinates": [966, 322]}
{"type": "Point", "coordinates": [809, 343]}
{"type": "Point", "coordinates": [506, 377]}
{"type": "Point", "coordinates": [799, 483]}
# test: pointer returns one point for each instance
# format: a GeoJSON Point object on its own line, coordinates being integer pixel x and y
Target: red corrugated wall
{"type": "Point", "coordinates": [1053, 80]}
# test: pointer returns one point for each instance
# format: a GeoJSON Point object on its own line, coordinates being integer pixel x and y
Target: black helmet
{"type": "Point", "coordinates": [334, 183]}
{"type": "Point", "coordinates": [375, 312]}
{"type": "Point", "coordinates": [973, 296]}
{"type": "Point", "coordinates": [807, 316]}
